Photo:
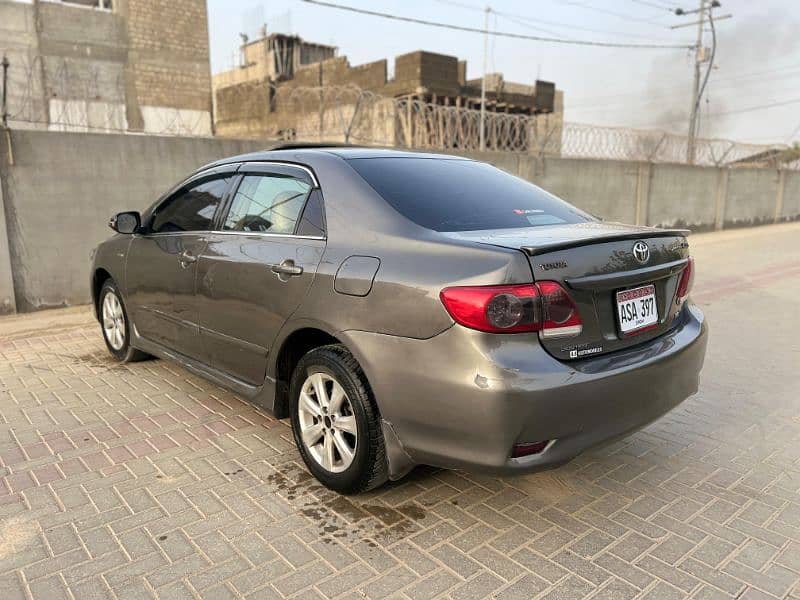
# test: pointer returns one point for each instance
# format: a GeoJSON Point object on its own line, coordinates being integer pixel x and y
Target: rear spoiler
{"type": "Point", "coordinates": [609, 237]}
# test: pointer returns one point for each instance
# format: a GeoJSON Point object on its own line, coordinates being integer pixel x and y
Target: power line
{"type": "Point", "coordinates": [484, 31]}
{"type": "Point", "coordinates": [461, 5]}
{"type": "Point", "coordinates": [759, 74]}
{"type": "Point", "coordinates": [532, 22]}
{"type": "Point", "coordinates": [652, 4]}
{"type": "Point", "coordinates": [524, 24]}
{"type": "Point", "coordinates": [752, 74]}
{"type": "Point", "coordinates": [735, 111]}
{"type": "Point", "coordinates": [518, 18]}
{"type": "Point", "coordinates": [513, 19]}
{"type": "Point", "coordinates": [786, 72]}
{"type": "Point", "coordinates": [605, 11]}
{"type": "Point", "coordinates": [755, 108]}
{"type": "Point", "coordinates": [660, 96]}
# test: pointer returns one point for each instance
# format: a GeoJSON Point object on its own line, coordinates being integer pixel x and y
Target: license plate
{"type": "Point", "coordinates": [637, 309]}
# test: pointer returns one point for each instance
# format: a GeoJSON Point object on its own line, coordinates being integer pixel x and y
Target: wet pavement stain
{"type": "Point", "coordinates": [96, 362]}
{"type": "Point", "coordinates": [339, 517]}
{"type": "Point", "coordinates": [384, 514]}
{"type": "Point", "coordinates": [413, 511]}
{"type": "Point", "coordinates": [95, 359]}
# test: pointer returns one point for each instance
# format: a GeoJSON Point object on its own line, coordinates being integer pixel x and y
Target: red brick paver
{"type": "Point", "coordinates": [143, 480]}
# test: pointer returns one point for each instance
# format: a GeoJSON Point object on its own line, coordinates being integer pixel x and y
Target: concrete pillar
{"type": "Point", "coordinates": [7, 302]}
{"type": "Point", "coordinates": [779, 196]}
{"type": "Point", "coordinates": [721, 199]}
{"type": "Point", "coordinates": [643, 177]}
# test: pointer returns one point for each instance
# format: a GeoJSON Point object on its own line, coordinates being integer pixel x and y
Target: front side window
{"type": "Point", "coordinates": [267, 204]}
{"type": "Point", "coordinates": [191, 209]}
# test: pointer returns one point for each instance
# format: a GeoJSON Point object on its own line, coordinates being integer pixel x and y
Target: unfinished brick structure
{"type": "Point", "coordinates": [130, 65]}
{"type": "Point", "coordinates": [317, 95]}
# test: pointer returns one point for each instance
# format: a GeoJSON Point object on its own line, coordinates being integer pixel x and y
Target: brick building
{"type": "Point", "coordinates": [287, 87]}
{"type": "Point", "coordinates": [130, 65]}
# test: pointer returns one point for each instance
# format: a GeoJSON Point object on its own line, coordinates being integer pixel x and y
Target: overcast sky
{"type": "Point", "coordinates": [757, 61]}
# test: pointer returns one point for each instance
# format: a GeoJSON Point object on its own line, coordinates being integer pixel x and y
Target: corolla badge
{"type": "Point", "coordinates": [641, 252]}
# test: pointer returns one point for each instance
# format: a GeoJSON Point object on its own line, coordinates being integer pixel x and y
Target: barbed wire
{"type": "Point", "coordinates": [351, 114]}
{"type": "Point", "coordinates": [78, 95]}
{"type": "Point", "coordinates": [74, 95]}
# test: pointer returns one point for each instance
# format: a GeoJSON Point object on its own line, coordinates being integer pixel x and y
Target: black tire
{"type": "Point", "coordinates": [368, 468]}
{"type": "Point", "coordinates": [126, 353]}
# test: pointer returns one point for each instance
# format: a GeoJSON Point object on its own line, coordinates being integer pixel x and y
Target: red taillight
{"type": "Point", "coordinates": [560, 316]}
{"type": "Point", "coordinates": [494, 308]}
{"type": "Point", "coordinates": [527, 449]}
{"type": "Point", "coordinates": [544, 306]}
{"type": "Point", "coordinates": [686, 281]}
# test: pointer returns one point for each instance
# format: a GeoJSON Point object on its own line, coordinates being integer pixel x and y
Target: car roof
{"type": "Point", "coordinates": [302, 153]}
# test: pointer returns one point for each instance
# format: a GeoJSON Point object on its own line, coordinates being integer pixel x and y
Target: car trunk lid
{"type": "Point", "coordinates": [593, 262]}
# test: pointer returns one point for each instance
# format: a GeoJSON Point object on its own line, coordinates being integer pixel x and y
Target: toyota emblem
{"type": "Point", "coordinates": [641, 252]}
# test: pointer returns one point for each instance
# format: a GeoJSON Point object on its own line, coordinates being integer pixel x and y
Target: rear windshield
{"type": "Point", "coordinates": [461, 195]}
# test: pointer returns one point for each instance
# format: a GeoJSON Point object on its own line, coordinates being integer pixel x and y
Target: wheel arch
{"type": "Point", "coordinates": [99, 277]}
{"type": "Point", "coordinates": [292, 348]}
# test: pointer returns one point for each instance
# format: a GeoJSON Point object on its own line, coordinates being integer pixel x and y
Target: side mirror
{"type": "Point", "coordinates": [126, 222]}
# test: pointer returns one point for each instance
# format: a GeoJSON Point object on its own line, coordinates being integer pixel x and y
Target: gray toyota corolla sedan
{"type": "Point", "coordinates": [405, 309]}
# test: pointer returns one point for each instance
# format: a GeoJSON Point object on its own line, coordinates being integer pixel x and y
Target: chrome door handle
{"type": "Point", "coordinates": [186, 259]}
{"type": "Point", "coordinates": [287, 267]}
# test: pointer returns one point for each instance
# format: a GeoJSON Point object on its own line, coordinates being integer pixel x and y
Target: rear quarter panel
{"type": "Point", "coordinates": [415, 263]}
{"type": "Point", "coordinates": [404, 299]}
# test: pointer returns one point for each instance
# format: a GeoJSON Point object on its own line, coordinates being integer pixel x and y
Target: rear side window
{"type": "Point", "coordinates": [267, 203]}
{"type": "Point", "coordinates": [312, 223]}
{"type": "Point", "coordinates": [191, 209]}
{"type": "Point", "coordinates": [460, 195]}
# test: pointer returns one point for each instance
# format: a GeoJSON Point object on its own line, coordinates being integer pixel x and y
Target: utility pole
{"type": "Point", "coordinates": [698, 52]}
{"type": "Point", "coordinates": [321, 104]}
{"type": "Point", "coordinates": [4, 110]}
{"type": "Point", "coordinates": [700, 56]}
{"type": "Point", "coordinates": [483, 79]}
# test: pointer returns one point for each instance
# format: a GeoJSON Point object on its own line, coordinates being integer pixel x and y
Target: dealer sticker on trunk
{"type": "Point", "coordinates": [637, 309]}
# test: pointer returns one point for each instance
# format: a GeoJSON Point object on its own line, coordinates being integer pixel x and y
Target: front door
{"type": "Point", "coordinates": [255, 271]}
{"type": "Point", "coordinates": [161, 271]}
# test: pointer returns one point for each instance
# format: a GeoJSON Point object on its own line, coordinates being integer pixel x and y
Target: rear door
{"type": "Point", "coordinates": [161, 268]}
{"type": "Point", "coordinates": [258, 265]}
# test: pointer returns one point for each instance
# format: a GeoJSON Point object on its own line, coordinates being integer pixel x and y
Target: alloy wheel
{"type": "Point", "coordinates": [327, 423]}
{"type": "Point", "coordinates": [113, 321]}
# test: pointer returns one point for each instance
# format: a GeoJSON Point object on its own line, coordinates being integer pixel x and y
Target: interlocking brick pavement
{"type": "Point", "coordinates": [132, 481]}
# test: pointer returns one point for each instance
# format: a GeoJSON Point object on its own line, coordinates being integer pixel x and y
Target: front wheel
{"type": "Point", "coordinates": [115, 324]}
{"type": "Point", "coordinates": [335, 421]}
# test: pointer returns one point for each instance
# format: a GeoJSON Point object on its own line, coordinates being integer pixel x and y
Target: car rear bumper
{"type": "Point", "coordinates": [463, 399]}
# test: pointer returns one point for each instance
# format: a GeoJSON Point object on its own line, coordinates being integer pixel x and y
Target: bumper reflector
{"type": "Point", "coordinates": [528, 448]}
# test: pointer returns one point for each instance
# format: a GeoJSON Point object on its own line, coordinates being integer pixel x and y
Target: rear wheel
{"type": "Point", "coordinates": [115, 324]}
{"type": "Point", "coordinates": [336, 422]}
